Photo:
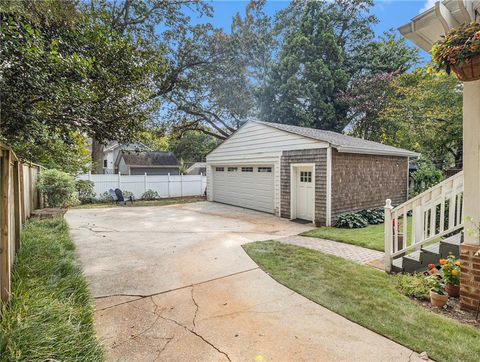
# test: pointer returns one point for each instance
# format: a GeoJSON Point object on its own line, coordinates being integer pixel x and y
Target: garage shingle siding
{"type": "Point", "coordinates": [317, 156]}
{"type": "Point", "coordinates": [365, 181]}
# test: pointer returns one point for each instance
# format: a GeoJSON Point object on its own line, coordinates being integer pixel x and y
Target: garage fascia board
{"type": "Point", "coordinates": [254, 161]}
{"type": "Point", "coordinates": [293, 189]}
{"type": "Point", "coordinates": [375, 152]}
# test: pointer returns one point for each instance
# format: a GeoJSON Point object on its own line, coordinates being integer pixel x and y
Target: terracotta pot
{"type": "Point", "coordinates": [452, 290]}
{"type": "Point", "coordinates": [469, 70]}
{"type": "Point", "coordinates": [438, 300]}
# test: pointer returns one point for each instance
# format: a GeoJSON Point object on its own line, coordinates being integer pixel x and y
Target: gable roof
{"type": "Point", "coordinates": [137, 146]}
{"type": "Point", "coordinates": [341, 142]}
{"type": "Point", "coordinates": [193, 165]}
{"type": "Point", "coordinates": [148, 159]}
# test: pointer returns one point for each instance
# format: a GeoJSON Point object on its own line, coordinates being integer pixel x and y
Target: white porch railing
{"type": "Point", "coordinates": [426, 217]}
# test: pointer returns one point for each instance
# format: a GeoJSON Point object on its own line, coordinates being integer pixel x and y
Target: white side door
{"type": "Point", "coordinates": [305, 193]}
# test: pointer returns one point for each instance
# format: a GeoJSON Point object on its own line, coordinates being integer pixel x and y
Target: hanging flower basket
{"type": "Point", "coordinates": [459, 51]}
{"type": "Point", "coordinates": [469, 70]}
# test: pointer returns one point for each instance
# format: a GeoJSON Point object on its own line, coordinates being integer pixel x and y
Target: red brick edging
{"type": "Point", "coordinates": [470, 280]}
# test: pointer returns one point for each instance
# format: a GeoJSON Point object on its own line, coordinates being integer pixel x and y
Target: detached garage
{"type": "Point", "coordinates": [304, 173]}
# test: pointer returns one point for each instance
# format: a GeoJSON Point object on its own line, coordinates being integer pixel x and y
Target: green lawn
{"type": "Point", "coordinates": [50, 317]}
{"type": "Point", "coordinates": [368, 297]}
{"type": "Point", "coordinates": [369, 237]}
{"type": "Point", "coordinates": [160, 202]}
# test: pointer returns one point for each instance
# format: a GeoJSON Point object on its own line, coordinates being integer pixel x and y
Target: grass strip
{"type": "Point", "coordinates": [137, 203]}
{"type": "Point", "coordinates": [370, 236]}
{"type": "Point", "coordinates": [50, 315]}
{"type": "Point", "coordinates": [368, 297]}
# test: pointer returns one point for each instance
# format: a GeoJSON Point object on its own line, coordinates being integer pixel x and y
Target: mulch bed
{"type": "Point", "coordinates": [452, 310]}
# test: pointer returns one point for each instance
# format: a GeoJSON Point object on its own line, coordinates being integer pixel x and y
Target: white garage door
{"type": "Point", "coordinates": [245, 186]}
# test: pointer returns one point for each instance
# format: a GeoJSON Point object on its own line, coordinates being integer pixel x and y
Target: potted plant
{"type": "Point", "coordinates": [451, 275]}
{"type": "Point", "coordinates": [459, 51]}
{"type": "Point", "coordinates": [438, 298]}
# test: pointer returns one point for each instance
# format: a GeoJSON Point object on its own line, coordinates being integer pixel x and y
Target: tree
{"type": "Point", "coordinates": [64, 76]}
{"type": "Point", "coordinates": [322, 48]}
{"type": "Point", "coordinates": [193, 146]}
{"type": "Point", "coordinates": [424, 113]}
{"type": "Point", "coordinates": [326, 48]}
{"type": "Point", "coordinates": [217, 89]}
{"type": "Point", "coordinates": [211, 75]}
{"type": "Point", "coordinates": [154, 137]}
{"type": "Point", "coordinates": [368, 93]}
{"type": "Point", "coordinates": [366, 98]}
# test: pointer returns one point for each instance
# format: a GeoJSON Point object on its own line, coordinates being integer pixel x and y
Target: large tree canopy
{"type": "Point", "coordinates": [131, 70]}
{"type": "Point", "coordinates": [63, 75]}
{"type": "Point", "coordinates": [325, 47]}
{"type": "Point", "coordinates": [423, 112]}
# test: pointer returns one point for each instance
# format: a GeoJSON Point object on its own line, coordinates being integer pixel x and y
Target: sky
{"type": "Point", "coordinates": [391, 13]}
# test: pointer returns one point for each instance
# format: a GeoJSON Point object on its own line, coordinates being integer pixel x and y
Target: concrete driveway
{"type": "Point", "coordinates": [172, 283]}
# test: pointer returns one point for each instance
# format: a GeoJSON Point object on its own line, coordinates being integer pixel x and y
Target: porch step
{"type": "Point", "coordinates": [418, 261]}
{"type": "Point", "coordinates": [412, 262]}
{"type": "Point", "coordinates": [451, 245]}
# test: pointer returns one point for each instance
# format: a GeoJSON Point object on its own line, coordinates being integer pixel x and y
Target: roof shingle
{"type": "Point", "coordinates": [158, 158]}
{"type": "Point", "coordinates": [341, 142]}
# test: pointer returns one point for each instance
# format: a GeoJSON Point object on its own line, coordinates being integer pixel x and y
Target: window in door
{"type": "Point", "coordinates": [305, 176]}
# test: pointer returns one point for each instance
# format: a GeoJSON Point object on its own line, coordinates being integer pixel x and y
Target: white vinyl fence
{"type": "Point", "coordinates": [166, 186]}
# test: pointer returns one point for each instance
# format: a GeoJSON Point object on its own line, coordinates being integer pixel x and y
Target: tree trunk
{"type": "Point", "coordinates": [97, 156]}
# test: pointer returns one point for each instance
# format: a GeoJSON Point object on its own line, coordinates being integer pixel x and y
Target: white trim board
{"type": "Point", "coordinates": [328, 206]}
{"type": "Point", "coordinates": [293, 189]}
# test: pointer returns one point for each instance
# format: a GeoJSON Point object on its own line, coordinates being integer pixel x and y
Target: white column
{"type": "Point", "coordinates": [119, 181]}
{"type": "Point", "coordinates": [201, 183]}
{"type": "Point", "coordinates": [329, 187]}
{"type": "Point", "coordinates": [145, 182]}
{"type": "Point", "coordinates": [471, 157]}
{"type": "Point", "coordinates": [388, 235]}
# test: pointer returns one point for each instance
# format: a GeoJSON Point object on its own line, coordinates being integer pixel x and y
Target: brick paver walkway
{"type": "Point", "coordinates": [347, 251]}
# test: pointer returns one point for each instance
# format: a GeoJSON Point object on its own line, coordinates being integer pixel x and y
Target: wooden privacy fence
{"type": "Point", "coordinates": [18, 198]}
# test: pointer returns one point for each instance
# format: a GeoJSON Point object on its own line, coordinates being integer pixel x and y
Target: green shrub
{"type": "Point", "coordinates": [351, 221]}
{"type": "Point", "coordinates": [413, 285]}
{"type": "Point", "coordinates": [127, 195]}
{"type": "Point", "coordinates": [105, 197]}
{"type": "Point", "coordinates": [58, 188]}
{"type": "Point", "coordinates": [86, 194]}
{"type": "Point", "coordinates": [425, 177]}
{"type": "Point", "coordinates": [373, 216]}
{"type": "Point", "coordinates": [150, 195]}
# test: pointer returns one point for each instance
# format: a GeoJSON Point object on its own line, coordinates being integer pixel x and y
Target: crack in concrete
{"type": "Point", "coordinates": [196, 308]}
{"type": "Point", "coordinates": [248, 310]}
{"type": "Point", "coordinates": [189, 330]}
{"type": "Point", "coordinates": [169, 339]}
{"type": "Point", "coordinates": [98, 230]}
{"type": "Point", "coordinates": [199, 336]}
{"type": "Point", "coordinates": [135, 336]}
{"type": "Point", "coordinates": [410, 357]}
{"type": "Point", "coordinates": [141, 296]}
{"type": "Point", "coordinates": [169, 231]}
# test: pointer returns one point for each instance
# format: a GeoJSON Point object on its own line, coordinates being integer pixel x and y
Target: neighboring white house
{"type": "Point", "coordinates": [113, 148]}
{"type": "Point", "coordinates": [296, 172]}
